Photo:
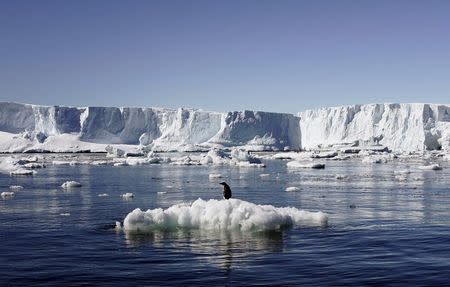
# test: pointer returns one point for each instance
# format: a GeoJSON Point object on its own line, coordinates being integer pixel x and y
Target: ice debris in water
{"type": "Point", "coordinates": [299, 164]}
{"type": "Point", "coordinates": [32, 165]}
{"type": "Point", "coordinates": [70, 184]}
{"type": "Point", "coordinates": [215, 156]}
{"type": "Point", "coordinates": [215, 175]}
{"type": "Point", "coordinates": [221, 215]}
{"type": "Point", "coordinates": [127, 195]}
{"type": "Point", "coordinates": [22, 172]}
{"type": "Point", "coordinates": [7, 194]}
{"type": "Point", "coordinates": [431, 167]}
{"type": "Point", "coordinates": [103, 194]}
{"type": "Point", "coordinates": [293, 189]}
{"type": "Point", "coordinates": [16, 187]}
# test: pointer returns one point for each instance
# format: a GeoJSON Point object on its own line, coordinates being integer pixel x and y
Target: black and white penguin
{"type": "Point", "coordinates": [226, 190]}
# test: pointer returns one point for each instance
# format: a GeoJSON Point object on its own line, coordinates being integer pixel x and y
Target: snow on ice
{"type": "Point", "coordinates": [221, 215]}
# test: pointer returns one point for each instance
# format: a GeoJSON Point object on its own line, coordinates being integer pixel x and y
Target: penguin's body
{"type": "Point", "coordinates": [226, 190]}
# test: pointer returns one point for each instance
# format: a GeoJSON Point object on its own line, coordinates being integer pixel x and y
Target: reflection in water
{"type": "Point", "coordinates": [226, 250]}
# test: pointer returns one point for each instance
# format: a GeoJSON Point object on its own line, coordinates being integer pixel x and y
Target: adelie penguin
{"type": "Point", "coordinates": [226, 190]}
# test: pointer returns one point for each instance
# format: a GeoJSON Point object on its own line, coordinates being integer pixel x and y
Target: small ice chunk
{"type": "Point", "coordinates": [33, 165]}
{"type": "Point", "coordinates": [374, 159]}
{"type": "Point", "coordinates": [100, 162]}
{"type": "Point", "coordinates": [103, 194]}
{"type": "Point", "coordinates": [22, 172]}
{"type": "Point", "coordinates": [7, 194]}
{"type": "Point", "coordinates": [431, 167]}
{"type": "Point", "coordinates": [161, 192]}
{"type": "Point", "coordinates": [127, 195]}
{"type": "Point", "coordinates": [185, 160]}
{"type": "Point", "coordinates": [120, 164]}
{"type": "Point", "coordinates": [215, 175]}
{"type": "Point", "coordinates": [249, 164]}
{"type": "Point", "coordinates": [298, 164]}
{"type": "Point", "coordinates": [16, 187]}
{"type": "Point", "coordinates": [70, 184]}
{"type": "Point", "coordinates": [329, 154]}
{"type": "Point", "coordinates": [293, 189]}
{"type": "Point", "coordinates": [61, 162]}
{"type": "Point", "coordinates": [113, 151]}
{"type": "Point", "coordinates": [215, 156]}
{"type": "Point", "coordinates": [118, 226]}
{"type": "Point", "coordinates": [65, 214]}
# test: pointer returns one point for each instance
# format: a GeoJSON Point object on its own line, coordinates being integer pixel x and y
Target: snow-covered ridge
{"type": "Point", "coordinates": [26, 127]}
{"type": "Point", "coordinates": [400, 127]}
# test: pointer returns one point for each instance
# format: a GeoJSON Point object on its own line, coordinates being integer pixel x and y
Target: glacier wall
{"type": "Point", "coordinates": [400, 127]}
{"type": "Point", "coordinates": [162, 129]}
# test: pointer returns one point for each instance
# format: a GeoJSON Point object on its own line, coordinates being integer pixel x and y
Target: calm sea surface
{"type": "Point", "coordinates": [384, 229]}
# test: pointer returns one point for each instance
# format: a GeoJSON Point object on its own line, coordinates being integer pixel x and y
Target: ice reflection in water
{"type": "Point", "coordinates": [226, 250]}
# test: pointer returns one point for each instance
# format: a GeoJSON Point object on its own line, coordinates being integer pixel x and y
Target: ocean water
{"type": "Point", "coordinates": [384, 228]}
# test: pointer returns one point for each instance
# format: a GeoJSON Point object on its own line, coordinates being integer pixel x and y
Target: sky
{"type": "Point", "coordinates": [279, 56]}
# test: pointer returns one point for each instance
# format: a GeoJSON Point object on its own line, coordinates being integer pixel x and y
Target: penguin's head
{"type": "Point", "coordinates": [223, 183]}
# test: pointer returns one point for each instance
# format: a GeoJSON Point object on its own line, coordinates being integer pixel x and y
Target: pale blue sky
{"type": "Point", "coordinates": [283, 56]}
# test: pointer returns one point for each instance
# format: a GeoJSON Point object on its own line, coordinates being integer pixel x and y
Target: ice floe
{"type": "Point", "coordinates": [221, 215]}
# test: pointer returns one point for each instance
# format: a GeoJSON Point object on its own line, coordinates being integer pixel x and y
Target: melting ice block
{"type": "Point", "coordinates": [221, 215]}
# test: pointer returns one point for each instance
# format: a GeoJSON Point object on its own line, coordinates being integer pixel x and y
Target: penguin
{"type": "Point", "coordinates": [226, 190]}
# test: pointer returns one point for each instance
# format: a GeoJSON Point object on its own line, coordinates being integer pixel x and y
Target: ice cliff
{"type": "Point", "coordinates": [400, 127]}
{"type": "Point", "coordinates": [42, 128]}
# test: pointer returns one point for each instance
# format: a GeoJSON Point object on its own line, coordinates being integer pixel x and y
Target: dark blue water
{"type": "Point", "coordinates": [382, 230]}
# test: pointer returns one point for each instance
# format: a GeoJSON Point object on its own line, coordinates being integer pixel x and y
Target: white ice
{"type": "Point", "coordinates": [299, 164]}
{"type": "Point", "coordinates": [7, 194]}
{"type": "Point", "coordinates": [431, 167]}
{"type": "Point", "coordinates": [71, 184]}
{"type": "Point", "coordinates": [221, 215]}
{"type": "Point", "coordinates": [128, 195]}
